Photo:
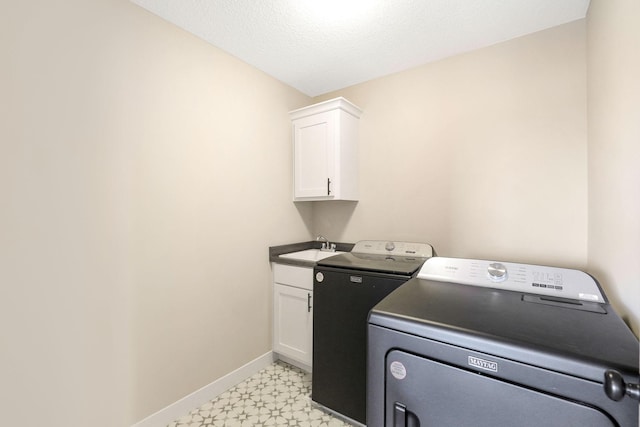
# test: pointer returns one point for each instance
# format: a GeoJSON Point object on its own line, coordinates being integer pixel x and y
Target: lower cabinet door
{"type": "Point", "coordinates": [293, 323]}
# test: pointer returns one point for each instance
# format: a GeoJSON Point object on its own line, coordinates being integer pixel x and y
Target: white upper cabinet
{"type": "Point", "coordinates": [325, 148]}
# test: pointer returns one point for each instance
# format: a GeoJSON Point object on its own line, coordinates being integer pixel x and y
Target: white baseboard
{"type": "Point", "coordinates": [199, 397]}
{"type": "Point", "coordinates": [294, 362]}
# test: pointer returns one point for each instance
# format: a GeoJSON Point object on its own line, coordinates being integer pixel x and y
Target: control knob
{"type": "Point", "coordinates": [497, 272]}
{"type": "Point", "coordinates": [615, 388]}
{"type": "Point", "coordinates": [389, 246]}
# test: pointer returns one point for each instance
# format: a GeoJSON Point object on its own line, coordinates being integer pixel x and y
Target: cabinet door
{"type": "Point", "coordinates": [314, 139]}
{"type": "Point", "coordinates": [293, 323]}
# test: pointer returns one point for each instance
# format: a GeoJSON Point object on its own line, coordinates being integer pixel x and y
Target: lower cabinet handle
{"type": "Point", "coordinates": [308, 302]}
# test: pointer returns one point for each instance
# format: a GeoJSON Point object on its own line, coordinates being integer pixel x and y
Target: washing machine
{"type": "Point", "coordinates": [488, 344]}
{"type": "Point", "coordinates": [345, 289]}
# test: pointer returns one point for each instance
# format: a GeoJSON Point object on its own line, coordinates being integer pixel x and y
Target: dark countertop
{"type": "Point", "coordinates": [276, 251]}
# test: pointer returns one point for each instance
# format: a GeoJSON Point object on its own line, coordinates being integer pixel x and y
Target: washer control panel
{"type": "Point", "coordinates": [385, 247]}
{"type": "Point", "coordinates": [532, 279]}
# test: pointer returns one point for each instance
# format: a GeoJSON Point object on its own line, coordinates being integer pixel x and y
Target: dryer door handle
{"type": "Point", "coordinates": [404, 418]}
{"type": "Point", "coordinates": [399, 415]}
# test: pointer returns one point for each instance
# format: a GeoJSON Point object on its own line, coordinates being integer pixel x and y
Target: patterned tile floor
{"type": "Point", "coordinates": [279, 395]}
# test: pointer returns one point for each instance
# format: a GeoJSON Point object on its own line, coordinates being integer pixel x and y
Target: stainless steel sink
{"type": "Point", "coordinates": [310, 255]}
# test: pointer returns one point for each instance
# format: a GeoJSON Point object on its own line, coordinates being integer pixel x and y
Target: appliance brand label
{"type": "Point", "coordinates": [486, 365]}
{"type": "Point", "coordinates": [355, 279]}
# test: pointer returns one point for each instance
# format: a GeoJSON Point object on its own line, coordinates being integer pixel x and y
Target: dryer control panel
{"type": "Point", "coordinates": [528, 278]}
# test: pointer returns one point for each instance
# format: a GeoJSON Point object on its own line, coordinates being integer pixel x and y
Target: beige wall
{"type": "Point", "coordinates": [614, 151]}
{"type": "Point", "coordinates": [482, 155]}
{"type": "Point", "coordinates": [143, 174]}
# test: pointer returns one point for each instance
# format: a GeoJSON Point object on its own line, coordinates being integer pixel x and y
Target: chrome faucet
{"type": "Point", "coordinates": [326, 245]}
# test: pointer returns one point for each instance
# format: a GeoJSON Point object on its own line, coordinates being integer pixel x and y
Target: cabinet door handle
{"type": "Point", "coordinates": [308, 302]}
{"type": "Point", "coordinates": [328, 186]}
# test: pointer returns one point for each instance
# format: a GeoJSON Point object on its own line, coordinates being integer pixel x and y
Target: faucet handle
{"type": "Point", "coordinates": [326, 245]}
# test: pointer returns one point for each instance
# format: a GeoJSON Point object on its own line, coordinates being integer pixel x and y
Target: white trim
{"type": "Point", "coordinates": [199, 397]}
{"type": "Point", "coordinates": [330, 105]}
{"type": "Point", "coordinates": [293, 362]}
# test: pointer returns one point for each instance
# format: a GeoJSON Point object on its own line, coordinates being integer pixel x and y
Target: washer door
{"type": "Point", "coordinates": [423, 392]}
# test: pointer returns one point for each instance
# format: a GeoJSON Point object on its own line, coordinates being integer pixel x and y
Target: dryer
{"type": "Point", "coordinates": [489, 344]}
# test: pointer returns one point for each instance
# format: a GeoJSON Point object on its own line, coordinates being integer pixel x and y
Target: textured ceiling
{"type": "Point", "coordinates": [318, 46]}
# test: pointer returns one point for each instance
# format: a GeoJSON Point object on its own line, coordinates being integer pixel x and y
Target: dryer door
{"type": "Point", "coordinates": [423, 392]}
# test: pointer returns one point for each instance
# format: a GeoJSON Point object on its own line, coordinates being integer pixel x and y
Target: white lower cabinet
{"type": "Point", "coordinates": [293, 313]}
